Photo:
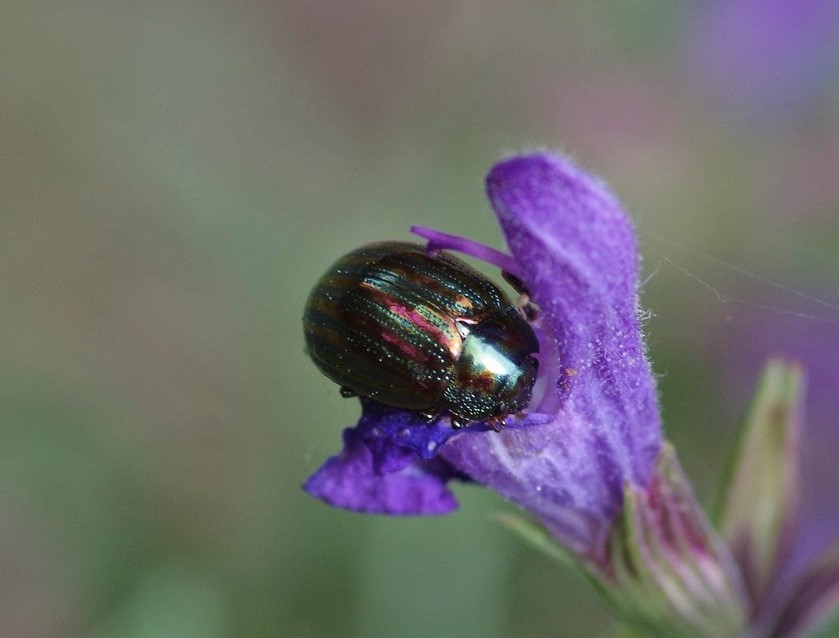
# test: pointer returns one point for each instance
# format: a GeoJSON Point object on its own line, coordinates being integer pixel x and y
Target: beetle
{"type": "Point", "coordinates": [420, 332]}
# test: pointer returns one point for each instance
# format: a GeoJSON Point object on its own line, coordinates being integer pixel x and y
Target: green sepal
{"type": "Point", "coordinates": [758, 500]}
{"type": "Point", "coordinates": [665, 553]}
{"type": "Point", "coordinates": [665, 571]}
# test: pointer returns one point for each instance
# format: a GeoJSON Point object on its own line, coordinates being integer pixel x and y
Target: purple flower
{"type": "Point", "coordinates": [586, 460]}
{"type": "Point", "coordinates": [593, 427]}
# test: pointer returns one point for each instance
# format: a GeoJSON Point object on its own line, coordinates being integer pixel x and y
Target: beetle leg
{"type": "Point", "coordinates": [527, 309]}
{"type": "Point", "coordinates": [427, 417]}
{"type": "Point", "coordinates": [347, 393]}
{"type": "Point", "coordinates": [496, 423]}
{"type": "Point", "coordinates": [458, 422]}
{"type": "Point", "coordinates": [518, 285]}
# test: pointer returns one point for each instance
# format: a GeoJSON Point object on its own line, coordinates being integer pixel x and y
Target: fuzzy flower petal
{"type": "Point", "coordinates": [575, 248]}
{"type": "Point", "coordinates": [387, 466]}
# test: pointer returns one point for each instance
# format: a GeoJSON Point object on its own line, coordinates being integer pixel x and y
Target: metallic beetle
{"type": "Point", "coordinates": [419, 332]}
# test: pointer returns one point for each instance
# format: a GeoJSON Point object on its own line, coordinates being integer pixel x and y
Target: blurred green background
{"type": "Point", "coordinates": [175, 176]}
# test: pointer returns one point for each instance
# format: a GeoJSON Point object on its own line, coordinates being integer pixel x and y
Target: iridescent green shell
{"type": "Point", "coordinates": [419, 332]}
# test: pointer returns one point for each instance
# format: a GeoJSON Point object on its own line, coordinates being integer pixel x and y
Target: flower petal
{"type": "Point", "coordinates": [575, 249]}
{"type": "Point", "coordinates": [386, 466]}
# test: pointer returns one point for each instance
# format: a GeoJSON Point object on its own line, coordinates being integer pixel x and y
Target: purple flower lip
{"type": "Point", "coordinates": [573, 247]}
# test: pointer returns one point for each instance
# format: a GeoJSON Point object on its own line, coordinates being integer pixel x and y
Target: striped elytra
{"type": "Point", "coordinates": [420, 332]}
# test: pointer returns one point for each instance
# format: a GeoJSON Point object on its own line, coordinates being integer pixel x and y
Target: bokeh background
{"type": "Point", "coordinates": [174, 176]}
